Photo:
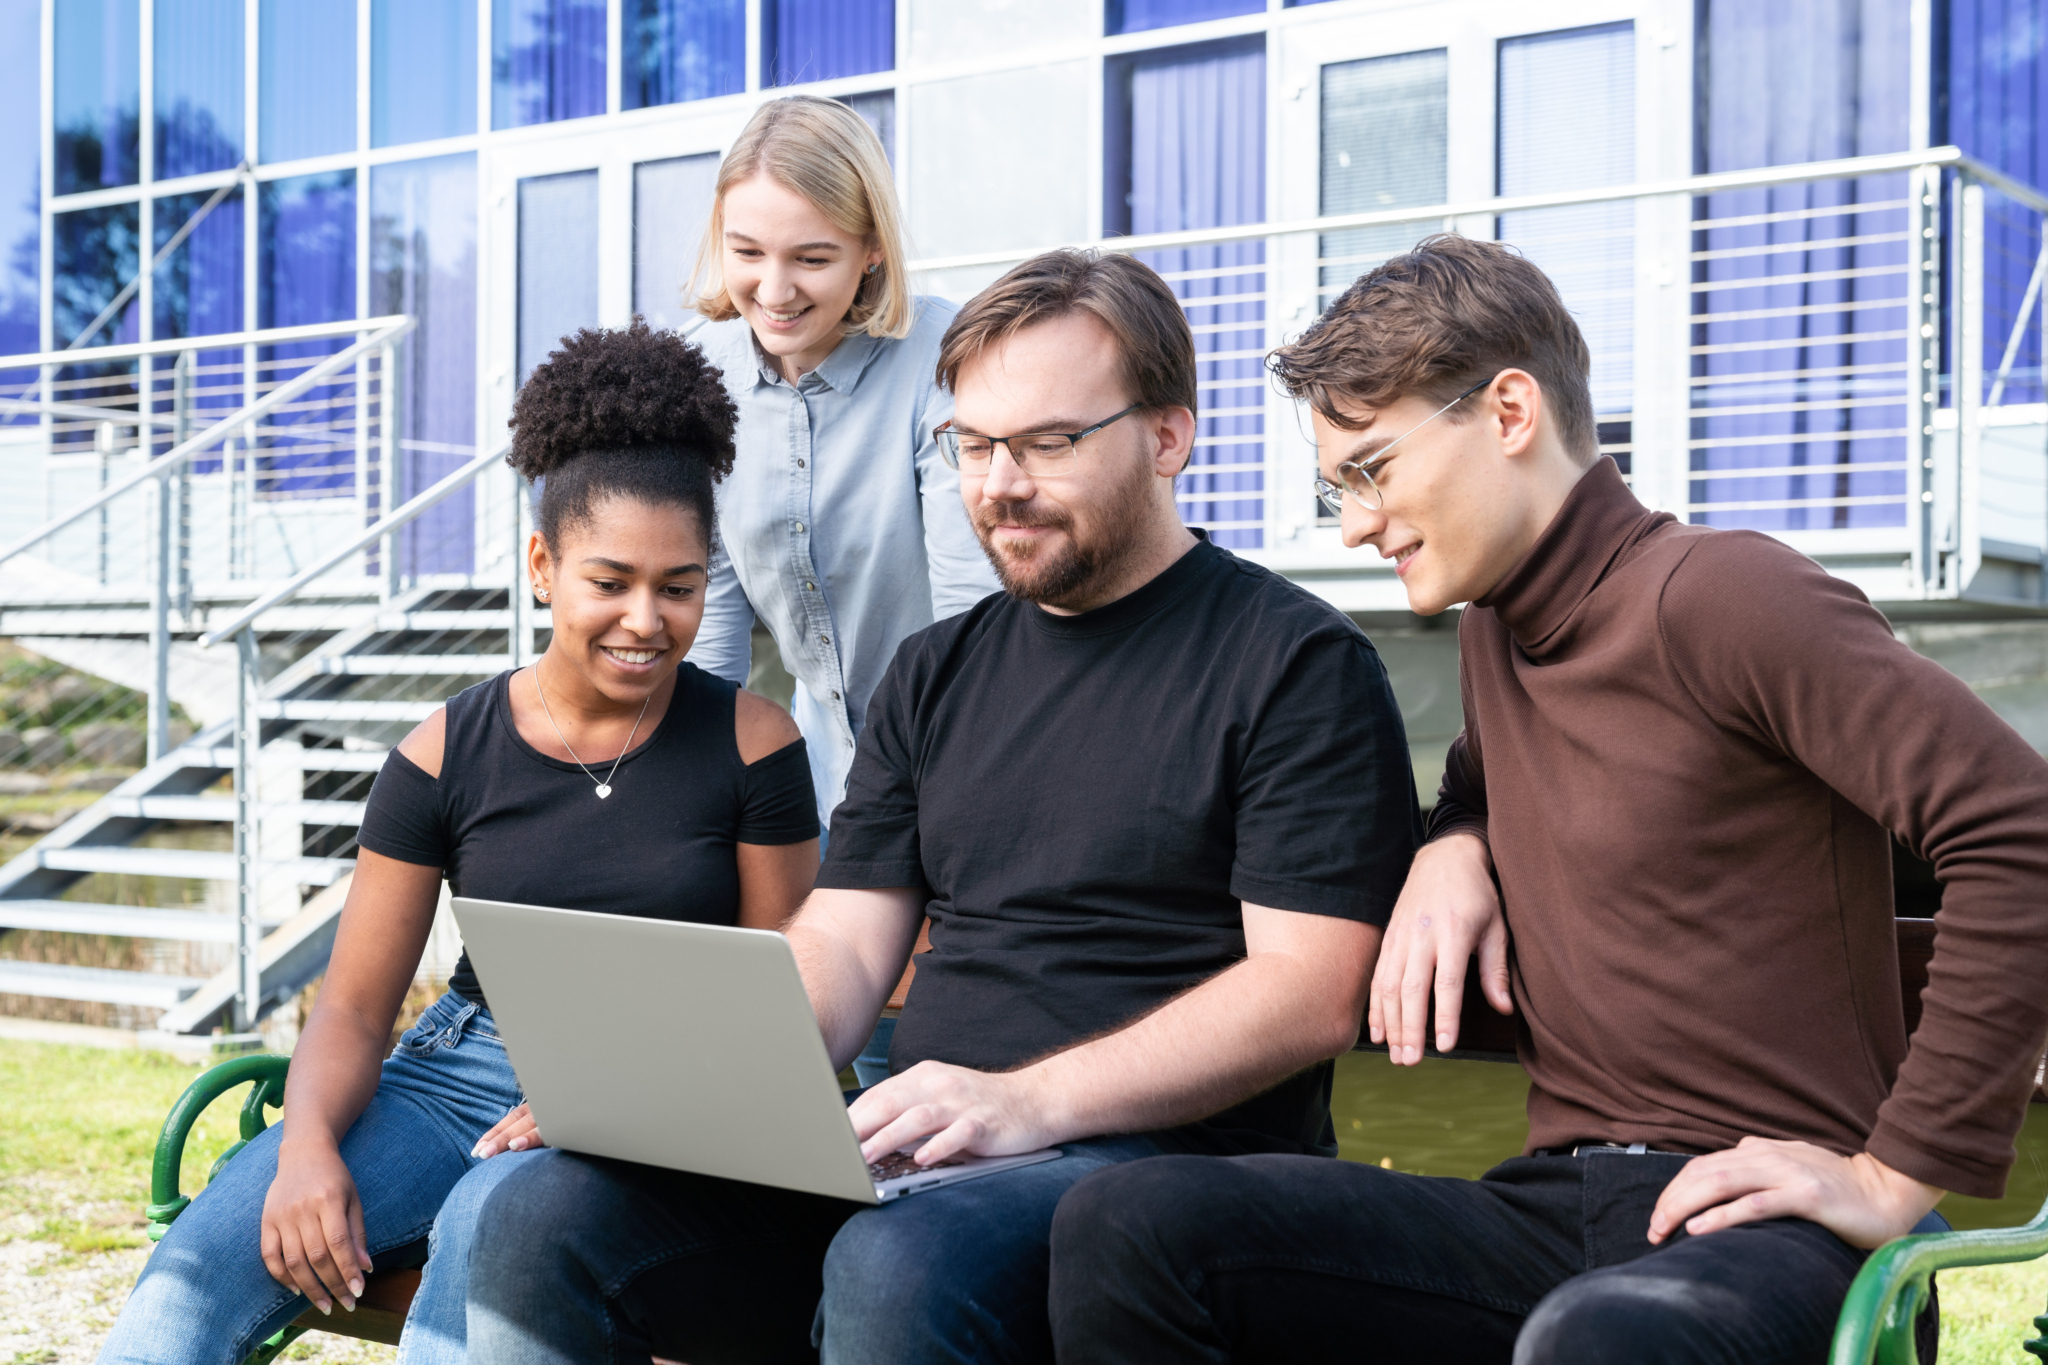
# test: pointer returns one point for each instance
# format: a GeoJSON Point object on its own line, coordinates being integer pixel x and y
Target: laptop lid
{"type": "Point", "coordinates": [689, 1046]}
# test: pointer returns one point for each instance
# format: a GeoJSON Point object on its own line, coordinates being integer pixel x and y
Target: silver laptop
{"type": "Point", "coordinates": [690, 1046]}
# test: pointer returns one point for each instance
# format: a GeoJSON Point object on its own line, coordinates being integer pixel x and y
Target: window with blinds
{"type": "Point", "coordinates": [1567, 121]}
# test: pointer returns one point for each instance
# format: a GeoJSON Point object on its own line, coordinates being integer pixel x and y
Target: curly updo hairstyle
{"type": "Point", "coordinates": [622, 414]}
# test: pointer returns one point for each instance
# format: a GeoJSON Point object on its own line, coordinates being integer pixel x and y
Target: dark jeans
{"type": "Point", "coordinates": [584, 1259]}
{"type": "Point", "coordinates": [1544, 1259]}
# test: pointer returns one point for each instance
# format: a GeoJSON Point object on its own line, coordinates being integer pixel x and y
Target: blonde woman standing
{"type": "Point", "coordinates": [840, 528]}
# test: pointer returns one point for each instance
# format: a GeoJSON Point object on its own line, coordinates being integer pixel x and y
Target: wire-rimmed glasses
{"type": "Point", "coordinates": [1034, 452]}
{"type": "Point", "coordinates": [1357, 475]}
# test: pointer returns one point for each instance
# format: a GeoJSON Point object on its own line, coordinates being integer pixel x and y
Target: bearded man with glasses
{"type": "Point", "coordinates": [1686, 755]}
{"type": "Point", "coordinates": [1153, 855]}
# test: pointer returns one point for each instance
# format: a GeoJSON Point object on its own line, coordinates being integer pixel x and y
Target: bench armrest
{"type": "Point", "coordinates": [266, 1071]}
{"type": "Point", "coordinates": [1877, 1318]}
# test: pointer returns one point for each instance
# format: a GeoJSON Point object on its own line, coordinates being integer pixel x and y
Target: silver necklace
{"type": "Point", "coordinates": [604, 788]}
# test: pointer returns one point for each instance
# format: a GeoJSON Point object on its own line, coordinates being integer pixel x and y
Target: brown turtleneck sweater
{"type": "Point", "coordinates": [1688, 750]}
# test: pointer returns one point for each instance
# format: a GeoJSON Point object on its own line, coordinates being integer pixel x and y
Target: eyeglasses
{"type": "Point", "coordinates": [1037, 452]}
{"type": "Point", "coordinates": [1357, 477]}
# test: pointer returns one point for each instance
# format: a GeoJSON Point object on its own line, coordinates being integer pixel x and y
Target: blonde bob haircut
{"type": "Point", "coordinates": [824, 151]}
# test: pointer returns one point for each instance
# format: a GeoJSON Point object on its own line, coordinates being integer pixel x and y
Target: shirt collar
{"type": "Point", "coordinates": [1600, 520]}
{"type": "Point", "coordinates": [841, 371]}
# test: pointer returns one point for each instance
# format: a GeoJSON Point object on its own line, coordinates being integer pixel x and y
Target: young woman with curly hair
{"type": "Point", "coordinates": [611, 775]}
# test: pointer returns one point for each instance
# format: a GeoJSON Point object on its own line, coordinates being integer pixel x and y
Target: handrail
{"type": "Point", "coordinates": [1715, 183]}
{"type": "Point", "coordinates": [185, 450]}
{"type": "Point", "coordinates": [383, 527]}
{"type": "Point", "coordinates": [85, 412]}
{"type": "Point", "coordinates": [222, 341]}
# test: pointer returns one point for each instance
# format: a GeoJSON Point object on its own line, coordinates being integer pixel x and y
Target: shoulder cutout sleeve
{"type": "Point", "coordinates": [403, 818]}
{"type": "Point", "coordinates": [778, 804]}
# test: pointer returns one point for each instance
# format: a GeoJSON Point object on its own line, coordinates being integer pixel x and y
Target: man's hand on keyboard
{"type": "Point", "coordinates": [957, 1111]}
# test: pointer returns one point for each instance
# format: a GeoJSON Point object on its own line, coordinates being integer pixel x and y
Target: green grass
{"type": "Point", "coordinates": [78, 1128]}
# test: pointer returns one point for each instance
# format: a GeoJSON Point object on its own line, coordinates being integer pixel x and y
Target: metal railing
{"type": "Point", "coordinates": [1845, 354]}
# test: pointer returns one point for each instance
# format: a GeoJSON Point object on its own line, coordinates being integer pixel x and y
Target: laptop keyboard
{"type": "Point", "coordinates": [902, 1163]}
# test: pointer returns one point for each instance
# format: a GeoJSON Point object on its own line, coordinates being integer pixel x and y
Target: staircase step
{"type": "Point", "coordinates": [222, 808]}
{"type": "Point", "coordinates": [122, 921]}
{"type": "Point", "coordinates": [96, 983]}
{"type": "Point", "coordinates": [306, 760]}
{"type": "Point", "coordinates": [387, 711]}
{"type": "Point", "coordinates": [379, 665]}
{"type": "Point", "coordinates": [180, 862]}
{"type": "Point", "coordinates": [489, 619]}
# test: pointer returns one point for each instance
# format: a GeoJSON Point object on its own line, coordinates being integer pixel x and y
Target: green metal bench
{"type": "Point", "coordinates": [1876, 1322]}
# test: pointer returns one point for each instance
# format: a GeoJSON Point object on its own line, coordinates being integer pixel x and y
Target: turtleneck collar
{"type": "Point", "coordinates": [1599, 520]}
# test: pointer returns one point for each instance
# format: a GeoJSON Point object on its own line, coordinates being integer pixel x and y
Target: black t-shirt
{"type": "Point", "coordinates": [508, 823]}
{"type": "Point", "coordinates": [1087, 799]}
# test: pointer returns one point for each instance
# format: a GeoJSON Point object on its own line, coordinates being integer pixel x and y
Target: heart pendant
{"type": "Point", "coordinates": [604, 789]}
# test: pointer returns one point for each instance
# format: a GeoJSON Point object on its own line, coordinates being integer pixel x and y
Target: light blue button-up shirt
{"type": "Point", "coordinates": [840, 527]}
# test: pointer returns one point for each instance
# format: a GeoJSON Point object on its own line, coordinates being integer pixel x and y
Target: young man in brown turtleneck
{"type": "Point", "coordinates": [1686, 754]}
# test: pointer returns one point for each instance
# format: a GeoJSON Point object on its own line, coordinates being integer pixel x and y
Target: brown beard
{"type": "Point", "coordinates": [1075, 571]}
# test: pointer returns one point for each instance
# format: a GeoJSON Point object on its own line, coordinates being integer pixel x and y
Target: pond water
{"type": "Point", "coordinates": [1459, 1118]}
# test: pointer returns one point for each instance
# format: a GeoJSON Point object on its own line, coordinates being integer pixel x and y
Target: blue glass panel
{"type": "Point", "coordinates": [1187, 130]}
{"type": "Point", "coordinates": [198, 86]}
{"type": "Point", "coordinates": [307, 92]}
{"type": "Point", "coordinates": [1817, 382]}
{"type": "Point", "coordinates": [96, 254]}
{"type": "Point", "coordinates": [423, 262]}
{"type": "Point", "coordinates": [680, 50]}
{"type": "Point", "coordinates": [198, 288]}
{"type": "Point", "coordinates": [547, 61]}
{"type": "Point", "coordinates": [307, 274]}
{"type": "Point", "coordinates": [20, 187]}
{"type": "Point", "coordinates": [422, 70]}
{"type": "Point", "coordinates": [557, 262]}
{"type": "Point", "coordinates": [307, 270]}
{"type": "Point", "coordinates": [671, 207]}
{"type": "Point", "coordinates": [819, 40]}
{"type": "Point", "coordinates": [98, 93]}
{"type": "Point", "coordinates": [1133, 16]}
{"type": "Point", "coordinates": [1997, 111]}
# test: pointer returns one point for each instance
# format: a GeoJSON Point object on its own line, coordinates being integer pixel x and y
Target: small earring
{"type": "Point", "coordinates": [873, 268]}
{"type": "Point", "coordinates": [541, 593]}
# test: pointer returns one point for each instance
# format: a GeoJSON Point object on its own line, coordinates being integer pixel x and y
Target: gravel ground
{"type": "Point", "coordinates": [63, 1279]}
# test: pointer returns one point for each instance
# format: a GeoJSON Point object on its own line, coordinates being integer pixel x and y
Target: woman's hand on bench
{"type": "Point", "coordinates": [516, 1132]}
{"type": "Point", "coordinates": [1448, 910]}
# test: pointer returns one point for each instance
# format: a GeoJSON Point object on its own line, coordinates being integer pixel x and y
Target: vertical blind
{"type": "Point", "coordinates": [306, 83]}
{"type": "Point", "coordinates": [678, 50]}
{"type": "Point", "coordinates": [1798, 315]}
{"type": "Point", "coordinates": [547, 61]}
{"type": "Point", "coordinates": [1188, 150]}
{"type": "Point", "coordinates": [1384, 145]}
{"type": "Point", "coordinates": [423, 262]}
{"type": "Point", "coordinates": [1567, 121]}
{"type": "Point", "coordinates": [671, 204]}
{"type": "Point", "coordinates": [821, 40]}
{"type": "Point", "coordinates": [198, 86]}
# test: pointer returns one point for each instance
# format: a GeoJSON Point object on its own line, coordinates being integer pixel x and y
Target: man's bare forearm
{"type": "Point", "coordinates": [1234, 1036]}
{"type": "Point", "coordinates": [850, 947]}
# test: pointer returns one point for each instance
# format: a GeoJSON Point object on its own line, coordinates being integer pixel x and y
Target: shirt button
{"type": "Point", "coordinates": [835, 696]}
{"type": "Point", "coordinates": [824, 639]}
{"type": "Point", "coordinates": [799, 463]}
{"type": "Point", "coordinates": [799, 528]}
{"type": "Point", "coordinates": [809, 586]}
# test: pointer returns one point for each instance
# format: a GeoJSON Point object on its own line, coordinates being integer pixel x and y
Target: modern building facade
{"type": "Point", "coordinates": [1803, 237]}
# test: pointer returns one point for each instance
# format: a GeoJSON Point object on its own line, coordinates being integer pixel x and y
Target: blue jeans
{"type": "Point", "coordinates": [581, 1259]}
{"type": "Point", "coordinates": [205, 1295]}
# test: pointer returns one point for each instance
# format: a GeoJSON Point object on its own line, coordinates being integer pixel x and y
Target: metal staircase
{"type": "Point", "coordinates": [326, 720]}
{"type": "Point", "coordinates": [259, 575]}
